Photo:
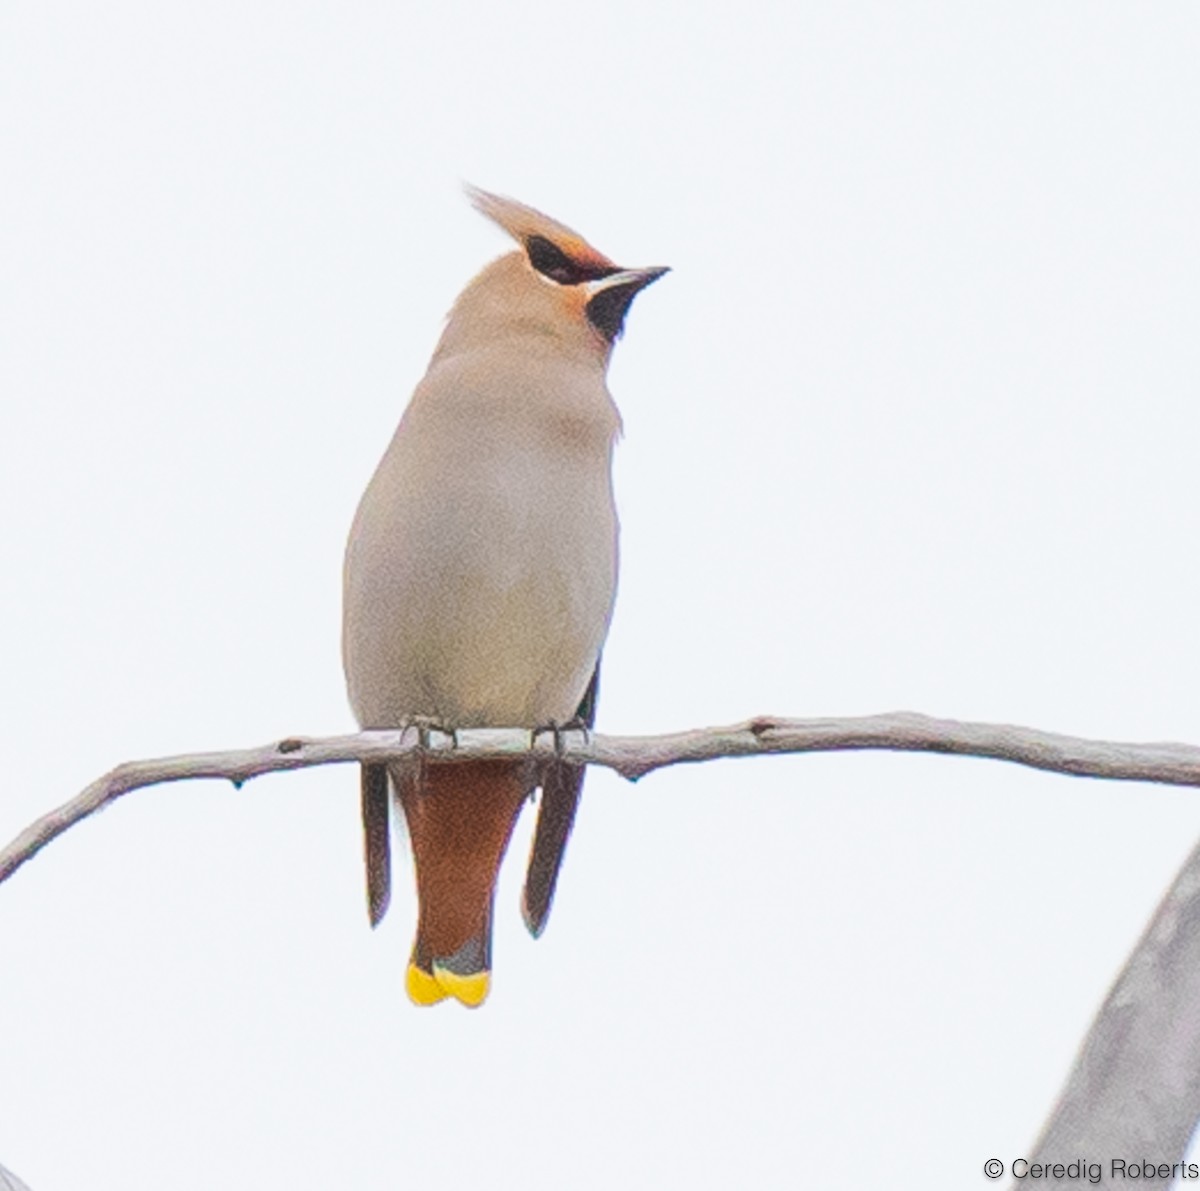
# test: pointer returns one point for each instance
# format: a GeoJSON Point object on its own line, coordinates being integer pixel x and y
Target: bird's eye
{"type": "Point", "coordinates": [552, 262]}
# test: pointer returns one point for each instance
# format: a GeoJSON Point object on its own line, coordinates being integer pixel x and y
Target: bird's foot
{"type": "Point", "coordinates": [554, 728]}
{"type": "Point", "coordinates": [425, 727]}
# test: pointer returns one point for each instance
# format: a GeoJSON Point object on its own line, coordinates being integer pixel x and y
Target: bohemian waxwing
{"type": "Point", "coordinates": [479, 580]}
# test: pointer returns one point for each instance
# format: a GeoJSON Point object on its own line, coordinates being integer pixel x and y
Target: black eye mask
{"type": "Point", "coordinates": [550, 261]}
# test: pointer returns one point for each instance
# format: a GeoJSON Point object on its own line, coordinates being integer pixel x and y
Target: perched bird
{"type": "Point", "coordinates": [479, 581]}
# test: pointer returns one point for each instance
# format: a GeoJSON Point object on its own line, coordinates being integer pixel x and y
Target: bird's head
{"type": "Point", "coordinates": [556, 285]}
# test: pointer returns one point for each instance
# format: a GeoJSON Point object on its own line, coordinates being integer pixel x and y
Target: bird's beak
{"type": "Point", "coordinates": [609, 298]}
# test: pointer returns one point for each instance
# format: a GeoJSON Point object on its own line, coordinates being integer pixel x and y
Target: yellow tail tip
{"type": "Point", "coordinates": [469, 990]}
{"type": "Point", "coordinates": [422, 988]}
{"type": "Point", "coordinates": [426, 988]}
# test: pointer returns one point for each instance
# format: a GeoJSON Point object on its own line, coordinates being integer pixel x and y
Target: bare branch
{"type": "Point", "coordinates": [634, 756]}
{"type": "Point", "coordinates": [1133, 1095]}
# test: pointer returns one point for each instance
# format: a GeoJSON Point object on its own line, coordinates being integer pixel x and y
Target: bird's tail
{"type": "Point", "coordinates": [460, 816]}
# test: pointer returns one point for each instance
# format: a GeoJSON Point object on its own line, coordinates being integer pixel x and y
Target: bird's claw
{"type": "Point", "coordinates": [425, 726]}
{"type": "Point", "coordinates": [555, 729]}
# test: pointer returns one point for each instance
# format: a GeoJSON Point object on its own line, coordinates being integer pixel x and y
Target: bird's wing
{"type": "Point", "coordinates": [561, 788]}
{"type": "Point", "coordinates": [376, 840]}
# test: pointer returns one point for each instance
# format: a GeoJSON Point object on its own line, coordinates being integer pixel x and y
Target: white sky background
{"type": "Point", "coordinates": [913, 424]}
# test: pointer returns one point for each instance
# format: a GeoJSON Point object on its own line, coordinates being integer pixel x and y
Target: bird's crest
{"type": "Point", "coordinates": [554, 250]}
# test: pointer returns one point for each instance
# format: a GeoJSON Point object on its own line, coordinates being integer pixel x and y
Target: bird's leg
{"type": "Point", "coordinates": [541, 730]}
{"type": "Point", "coordinates": [575, 724]}
{"type": "Point", "coordinates": [425, 726]}
{"type": "Point", "coordinates": [553, 728]}
{"type": "Point", "coordinates": [578, 724]}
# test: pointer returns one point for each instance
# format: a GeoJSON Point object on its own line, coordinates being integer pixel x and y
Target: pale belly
{"type": "Point", "coordinates": [479, 595]}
